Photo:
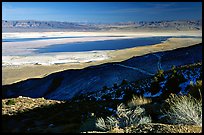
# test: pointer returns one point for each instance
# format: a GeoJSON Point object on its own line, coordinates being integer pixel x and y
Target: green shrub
{"type": "Point", "coordinates": [160, 75]}
{"type": "Point", "coordinates": [173, 67]}
{"type": "Point", "coordinates": [184, 110]}
{"type": "Point", "coordinates": [10, 102]}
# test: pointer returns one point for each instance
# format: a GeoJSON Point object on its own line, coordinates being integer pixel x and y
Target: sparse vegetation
{"type": "Point", "coordinates": [133, 115]}
{"type": "Point", "coordinates": [10, 102]}
{"type": "Point", "coordinates": [105, 87]}
{"type": "Point", "coordinates": [195, 90]}
{"type": "Point", "coordinates": [124, 82]}
{"type": "Point", "coordinates": [138, 100]}
{"type": "Point", "coordinates": [115, 85]}
{"type": "Point", "coordinates": [109, 124]}
{"type": "Point", "coordinates": [160, 75]}
{"type": "Point", "coordinates": [184, 110]}
{"type": "Point", "coordinates": [155, 86]}
{"type": "Point", "coordinates": [173, 81]}
{"type": "Point", "coordinates": [128, 94]}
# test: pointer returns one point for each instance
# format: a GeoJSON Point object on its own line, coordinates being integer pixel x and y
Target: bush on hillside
{"type": "Point", "coordinates": [128, 94]}
{"type": "Point", "coordinates": [10, 102]}
{"type": "Point", "coordinates": [105, 87]}
{"type": "Point", "coordinates": [160, 75]}
{"type": "Point", "coordinates": [125, 117]}
{"type": "Point", "coordinates": [138, 100]}
{"type": "Point", "coordinates": [155, 86]}
{"type": "Point", "coordinates": [184, 110]}
{"type": "Point", "coordinates": [195, 90]}
{"type": "Point", "coordinates": [115, 85]}
{"type": "Point", "coordinates": [107, 97]}
{"type": "Point", "coordinates": [124, 82]}
{"type": "Point", "coordinates": [172, 84]}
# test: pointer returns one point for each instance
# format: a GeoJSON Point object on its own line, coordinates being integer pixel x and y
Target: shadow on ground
{"type": "Point", "coordinates": [57, 118]}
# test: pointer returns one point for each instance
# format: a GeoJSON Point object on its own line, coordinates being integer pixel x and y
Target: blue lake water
{"type": "Point", "coordinates": [95, 45]}
{"type": "Point", "coordinates": [105, 45]}
{"type": "Point", "coordinates": [101, 45]}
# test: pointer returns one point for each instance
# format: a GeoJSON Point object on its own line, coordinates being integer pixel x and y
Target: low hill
{"type": "Point", "coordinates": [31, 115]}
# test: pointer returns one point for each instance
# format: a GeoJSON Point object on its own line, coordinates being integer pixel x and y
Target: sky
{"type": "Point", "coordinates": [101, 12]}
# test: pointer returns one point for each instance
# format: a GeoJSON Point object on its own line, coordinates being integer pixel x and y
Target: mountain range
{"type": "Point", "coordinates": [32, 25]}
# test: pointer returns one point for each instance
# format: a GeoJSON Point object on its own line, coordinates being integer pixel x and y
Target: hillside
{"type": "Point", "coordinates": [32, 25]}
{"type": "Point", "coordinates": [67, 84]}
{"type": "Point", "coordinates": [23, 114]}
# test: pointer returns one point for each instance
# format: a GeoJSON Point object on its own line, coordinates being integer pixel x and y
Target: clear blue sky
{"type": "Point", "coordinates": [101, 11]}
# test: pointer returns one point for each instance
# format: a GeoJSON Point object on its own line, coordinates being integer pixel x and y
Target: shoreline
{"type": "Point", "coordinates": [102, 33]}
{"type": "Point", "coordinates": [50, 59]}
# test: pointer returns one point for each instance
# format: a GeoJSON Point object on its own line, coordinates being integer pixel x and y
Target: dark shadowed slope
{"type": "Point", "coordinates": [67, 84]}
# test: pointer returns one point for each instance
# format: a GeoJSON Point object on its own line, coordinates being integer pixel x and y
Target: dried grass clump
{"type": "Point", "coordinates": [185, 110]}
{"type": "Point", "coordinates": [138, 100]}
{"type": "Point", "coordinates": [109, 124]}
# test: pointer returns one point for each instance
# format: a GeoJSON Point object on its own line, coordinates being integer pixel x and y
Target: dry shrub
{"type": "Point", "coordinates": [106, 125]}
{"type": "Point", "coordinates": [125, 117]}
{"type": "Point", "coordinates": [195, 90]}
{"type": "Point", "coordinates": [185, 110]}
{"type": "Point", "coordinates": [138, 100]}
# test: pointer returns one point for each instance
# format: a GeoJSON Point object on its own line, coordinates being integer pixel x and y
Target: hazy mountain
{"type": "Point", "coordinates": [25, 25]}
{"type": "Point", "coordinates": [43, 26]}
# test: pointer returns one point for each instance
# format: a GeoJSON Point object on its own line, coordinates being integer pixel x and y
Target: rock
{"type": "Point", "coordinates": [51, 125]}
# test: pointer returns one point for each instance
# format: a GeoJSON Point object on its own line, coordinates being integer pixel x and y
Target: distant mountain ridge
{"type": "Point", "coordinates": [32, 25]}
{"type": "Point", "coordinates": [43, 25]}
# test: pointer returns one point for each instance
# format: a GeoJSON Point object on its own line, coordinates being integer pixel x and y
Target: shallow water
{"type": "Point", "coordinates": [105, 45]}
{"type": "Point", "coordinates": [95, 45]}
{"type": "Point", "coordinates": [101, 45]}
